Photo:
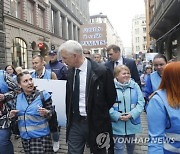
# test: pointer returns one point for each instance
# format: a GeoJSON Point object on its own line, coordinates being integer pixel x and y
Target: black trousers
{"type": "Point", "coordinates": [78, 136]}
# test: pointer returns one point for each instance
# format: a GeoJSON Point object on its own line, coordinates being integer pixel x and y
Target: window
{"type": "Point", "coordinates": [137, 48]}
{"type": "Point", "coordinates": [19, 56]}
{"type": "Point", "coordinates": [69, 30]}
{"type": "Point", "coordinates": [136, 22]}
{"type": "Point", "coordinates": [144, 30]}
{"type": "Point", "coordinates": [41, 17]}
{"type": "Point", "coordinates": [15, 8]}
{"type": "Point", "coordinates": [53, 20]}
{"type": "Point", "coordinates": [74, 32]}
{"type": "Point", "coordinates": [137, 39]}
{"type": "Point", "coordinates": [30, 12]}
{"type": "Point", "coordinates": [144, 38]}
{"type": "Point", "coordinates": [63, 25]}
{"type": "Point", "coordinates": [78, 33]}
{"type": "Point", "coordinates": [144, 47]}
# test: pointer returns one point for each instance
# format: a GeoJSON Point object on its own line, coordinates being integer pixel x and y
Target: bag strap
{"type": "Point", "coordinates": [42, 98]}
{"type": "Point", "coordinates": [44, 102]}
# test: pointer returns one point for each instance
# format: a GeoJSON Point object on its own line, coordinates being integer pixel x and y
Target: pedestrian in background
{"type": "Point", "coordinates": [18, 70]}
{"type": "Point", "coordinates": [11, 71]}
{"type": "Point", "coordinates": [139, 65]}
{"type": "Point", "coordinates": [8, 89]}
{"type": "Point", "coordinates": [154, 79]}
{"type": "Point", "coordinates": [125, 113]}
{"type": "Point", "coordinates": [33, 116]}
{"type": "Point", "coordinates": [143, 78]}
{"type": "Point", "coordinates": [97, 57]}
{"type": "Point", "coordinates": [88, 100]}
{"type": "Point", "coordinates": [40, 71]}
{"type": "Point", "coordinates": [163, 113]}
{"type": "Point", "coordinates": [114, 53]}
{"type": "Point", "coordinates": [87, 53]}
{"type": "Point", "coordinates": [56, 66]}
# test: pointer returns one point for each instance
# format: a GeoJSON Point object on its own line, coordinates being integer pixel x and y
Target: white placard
{"type": "Point", "coordinates": [58, 90]}
{"type": "Point", "coordinates": [150, 56]}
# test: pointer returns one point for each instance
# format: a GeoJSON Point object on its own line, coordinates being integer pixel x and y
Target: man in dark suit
{"type": "Point", "coordinates": [114, 53]}
{"type": "Point", "coordinates": [88, 102]}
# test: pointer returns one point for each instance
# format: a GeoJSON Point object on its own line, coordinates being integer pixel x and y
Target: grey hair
{"type": "Point", "coordinates": [71, 46]}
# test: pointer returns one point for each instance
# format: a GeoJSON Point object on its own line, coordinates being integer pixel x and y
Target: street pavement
{"type": "Point", "coordinates": [140, 148]}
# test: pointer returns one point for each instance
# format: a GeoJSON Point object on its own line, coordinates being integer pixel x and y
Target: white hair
{"type": "Point", "coordinates": [71, 46]}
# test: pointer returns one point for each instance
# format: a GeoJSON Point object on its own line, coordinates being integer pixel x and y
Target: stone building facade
{"type": "Point", "coordinates": [164, 27]}
{"type": "Point", "coordinates": [37, 26]}
{"type": "Point", "coordinates": [2, 37]}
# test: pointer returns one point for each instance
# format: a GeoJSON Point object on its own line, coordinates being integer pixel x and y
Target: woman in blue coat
{"type": "Point", "coordinates": [163, 113]}
{"type": "Point", "coordinates": [125, 113]}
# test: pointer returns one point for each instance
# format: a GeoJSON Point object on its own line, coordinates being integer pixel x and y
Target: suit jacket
{"type": "Point", "coordinates": [100, 97]}
{"type": "Point", "coordinates": [131, 65]}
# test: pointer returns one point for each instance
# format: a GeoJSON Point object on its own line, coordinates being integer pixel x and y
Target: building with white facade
{"type": "Point", "coordinates": [139, 42]}
{"type": "Point", "coordinates": [35, 26]}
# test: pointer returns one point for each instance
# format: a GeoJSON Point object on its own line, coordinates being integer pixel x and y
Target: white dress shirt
{"type": "Point", "coordinates": [82, 95]}
{"type": "Point", "coordinates": [120, 62]}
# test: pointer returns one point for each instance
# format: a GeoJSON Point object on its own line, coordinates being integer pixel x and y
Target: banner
{"type": "Point", "coordinates": [93, 35]}
{"type": "Point", "coordinates": [57, 88]}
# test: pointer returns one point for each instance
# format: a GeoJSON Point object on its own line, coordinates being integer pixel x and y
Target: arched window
{"type": "Point", "coordinates": [19, 57]}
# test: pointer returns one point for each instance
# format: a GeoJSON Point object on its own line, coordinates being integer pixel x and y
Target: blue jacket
{"type": "Point", "coordinates": [152, 84]}
{"type": "Point", "coordinates": [3, 84]}
{"type": "Point", "coordinates": [129, 99]}
{"type": "Point", "coordinates": [58, 68]}
{"type": "Point", "coordinates": [163, 120]}
{"type": "Point", "coordinates": [47, 74]}
{"type": "Point", "coordinates": [31, 124]}
{"type": "Point", "coordinates": [144, 78]}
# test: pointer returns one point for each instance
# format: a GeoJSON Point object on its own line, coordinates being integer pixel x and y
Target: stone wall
{"type": "Point", "coordinates": [2, 38]}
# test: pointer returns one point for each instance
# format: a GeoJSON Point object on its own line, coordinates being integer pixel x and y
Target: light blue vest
{"type": "Point", "coordinates": [173, 126]}
{"type": "Point", "coordinates": [3, 84]}
{"type": "Point", "coordinates": [30, 123]}
{"type": "Point", "coordinates": [155, 80]}
{"type": "Point", "coordinates": [47, 74]}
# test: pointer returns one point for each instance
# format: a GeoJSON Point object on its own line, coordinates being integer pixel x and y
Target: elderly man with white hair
{"type": "Point", "coordinates": [88, 100]}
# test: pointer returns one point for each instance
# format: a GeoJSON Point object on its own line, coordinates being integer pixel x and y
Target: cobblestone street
{"type": "Point", "coordinates": [140, 148]}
